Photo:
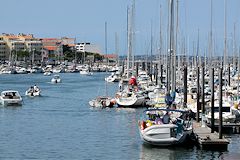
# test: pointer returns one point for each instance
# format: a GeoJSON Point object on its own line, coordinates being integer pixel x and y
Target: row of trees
{"type": "Point", "coordinates": [68, 54]}
{"type": "Point", "coordinates": [24, 54]}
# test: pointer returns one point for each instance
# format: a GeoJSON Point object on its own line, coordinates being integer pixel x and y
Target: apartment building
{"type": "Point", "coordinates": [87, 47]}
{"type": "Point", "coordinates": [33, 45]}
{"type": "Point", "coordinates": [14, 44]}
{"type": "Point", "coordinates": [3, 55]}
{"type": "Point", "coordinates": [52, 48]}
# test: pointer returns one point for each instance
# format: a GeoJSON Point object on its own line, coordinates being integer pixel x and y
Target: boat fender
{"type": "Point", "coordinates": [143, 125]}
{"type": "Point", "coordinates": [148, 123]}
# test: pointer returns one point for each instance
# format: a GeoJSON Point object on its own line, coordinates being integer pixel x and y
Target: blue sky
{"type": "Point", "coordinates": [85, 19]}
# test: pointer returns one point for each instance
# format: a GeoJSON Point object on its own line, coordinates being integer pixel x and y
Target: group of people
{"type": "Point", "coordinates": [33, 89]}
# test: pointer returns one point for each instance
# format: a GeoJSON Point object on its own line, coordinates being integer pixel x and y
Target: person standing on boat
{"type": "Point", "coordinates": [35, 88]}
{"type": "Point", "coordinates": [132, 83]}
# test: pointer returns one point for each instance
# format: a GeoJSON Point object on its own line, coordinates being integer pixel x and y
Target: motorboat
{"type": "Point", "coordinates": [85, 71]}
{"type": "Point", "coordinates": [33, 91]}
{"type": "Point", "coordinates": [10, 97]}
{"type": "Point", "coordinates": [47, 73]}
{"type": "Point", "coordinates": [113, 78]}
{"type": "Point", "coordinates": [165, 127]}
{"type": "Point", "coordinates": [102, 102]}
{"type": "Point", "coordinates": [56, 79]}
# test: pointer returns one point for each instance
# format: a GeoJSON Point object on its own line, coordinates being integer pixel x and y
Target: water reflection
{"type": "Point", "coordinates": [166, 153]}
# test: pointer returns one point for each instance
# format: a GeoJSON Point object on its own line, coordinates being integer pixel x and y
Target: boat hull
{"type": "Point", "coordinates": [132, 102]}
{"type": "Point", "coordinates": [38, 93]}
{"type": "Point", "coordinates": [163, 135]}
{"type": "Point", "coordinates": [10, 98]}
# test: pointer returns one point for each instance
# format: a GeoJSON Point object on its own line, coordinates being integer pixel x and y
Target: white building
{"type": "Point", "coordinates": [87, 47]}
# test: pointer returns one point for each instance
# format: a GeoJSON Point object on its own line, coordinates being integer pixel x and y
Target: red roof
{"type": "Point", "coordinates": [50, 48]}
{"type": "Point", "coordinates": [110, 56]}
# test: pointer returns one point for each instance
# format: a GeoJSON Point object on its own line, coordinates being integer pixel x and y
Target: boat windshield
{"type": "Point", "coordinates": [166, 115]}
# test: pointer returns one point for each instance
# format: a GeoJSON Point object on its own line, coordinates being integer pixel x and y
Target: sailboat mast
{"type": "Point", "coordinates": [106, 42]}
{"type": "Point", "coordinates": [171, 41]}
{"type": "Point", "coordinates": [133, 33]}
{"type": "Point", "coordinates": [211, 39]}
{"type": "Point", "coordinates": [117, 47]}
{"type": "Point", "coordinates": [161, 41]}
{"type": "Point", "coordinates": [225, 33]}
{"type": "Point", "coordinates": [106, 89]}
{"type": "Point", "coordinates": [128, 43]}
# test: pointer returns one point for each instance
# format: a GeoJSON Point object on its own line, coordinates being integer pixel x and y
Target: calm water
{"type": "Point", "coordinates": [61, 125]}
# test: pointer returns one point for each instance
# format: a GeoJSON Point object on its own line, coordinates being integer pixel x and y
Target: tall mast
{"type": "Point", "coordinates": [225, 33]}
{"type": "Point", "coordinates": [160, 38]}
{"type": "Point", "coordinates": [117, 47]}
{"type": "Point", "coordinates": [151, 50]}
{"type": "Point", "coordinates": [171, 41]}
{"type": "Point", "coordinates": [128, 43]}
{"type": "Point", "coordinates": [106, 90]}
{"type": "Point", "coordinates": [133, 33]}
{"type": "Point", "coordinates": [106, 42]}
{"type": "Point", "coordinates": [211, 39]}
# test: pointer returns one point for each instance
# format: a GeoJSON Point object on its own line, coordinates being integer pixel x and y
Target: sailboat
{"type": "Point", "coordinates": [103, 101]}
{"type": "Point", "coordinates": [130, 96]}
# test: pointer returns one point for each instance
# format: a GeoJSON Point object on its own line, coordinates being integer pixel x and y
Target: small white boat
{"type": "Point", "coordinates": [33, 91]}
{"type": "Point", "coordinates": [56, 79]}
{"type": "Point", "coordinates": [113, 78]}
{"type": "Point", "coordinates": [47, 73]}
{"type": "Point", "coordinates": [10, 97]}
{"type": "Point", "coordinates": [165, 127]}
{"type": "Point", "coordinates": [102, 102]}
{"type": "Point", "coordinates": [130, 99]}
{"type": "Point", "coordinates": [85, 71]}
{"type": "Point", "coordinates": [21, 70]}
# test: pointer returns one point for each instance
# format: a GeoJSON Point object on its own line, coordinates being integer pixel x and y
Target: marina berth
{"type": "Point", "coordinates": [10, 97]}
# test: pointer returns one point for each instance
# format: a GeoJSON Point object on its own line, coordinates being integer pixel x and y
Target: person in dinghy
{"type": "Point", "coordinates": [33, 91]}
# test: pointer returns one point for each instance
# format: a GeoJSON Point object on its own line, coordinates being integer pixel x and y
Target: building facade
{"type": "Point", "coordinates": [16, 45]}
{"type": "Point", "coordinates": [3, 54]}
{"type": "Point", "coordinates": [87, 47]}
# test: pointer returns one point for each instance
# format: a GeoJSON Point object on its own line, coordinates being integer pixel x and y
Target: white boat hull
{"type": "Point", "coordinates": [163, 135]}
{"type": "Point", "coordinates": [56, 80]}
{"type": "Point", "coordinates": [101, 102]}
{"type": "Point", "coordinates": [33, 94]}
{"type": "Point", "coordinates": [6, 99]}
{"type": "Point", "coordinates": [86, 73]}
{"type": "Point", "coordinates": [130, 101]}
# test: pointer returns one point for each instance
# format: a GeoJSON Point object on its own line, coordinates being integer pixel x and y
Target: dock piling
{"type": "Point", "coordinates": [220, 103]}
{"type": "Point", "coordinates": [198, 94]}
{"type": "Point", "coordinates": [185, 84]}
{"type": "Point", "coordinates": [212, 100]}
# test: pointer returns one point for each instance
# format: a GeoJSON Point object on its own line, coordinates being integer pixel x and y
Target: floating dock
{"type": "Point", "coordinates": [207, 140]}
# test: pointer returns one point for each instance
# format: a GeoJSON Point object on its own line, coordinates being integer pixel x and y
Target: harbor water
{"type": "Point", "coordinates": [61, 125]}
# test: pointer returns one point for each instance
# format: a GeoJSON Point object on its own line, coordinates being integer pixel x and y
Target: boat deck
{"type": "Point", "coordinates": [208, 140]}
